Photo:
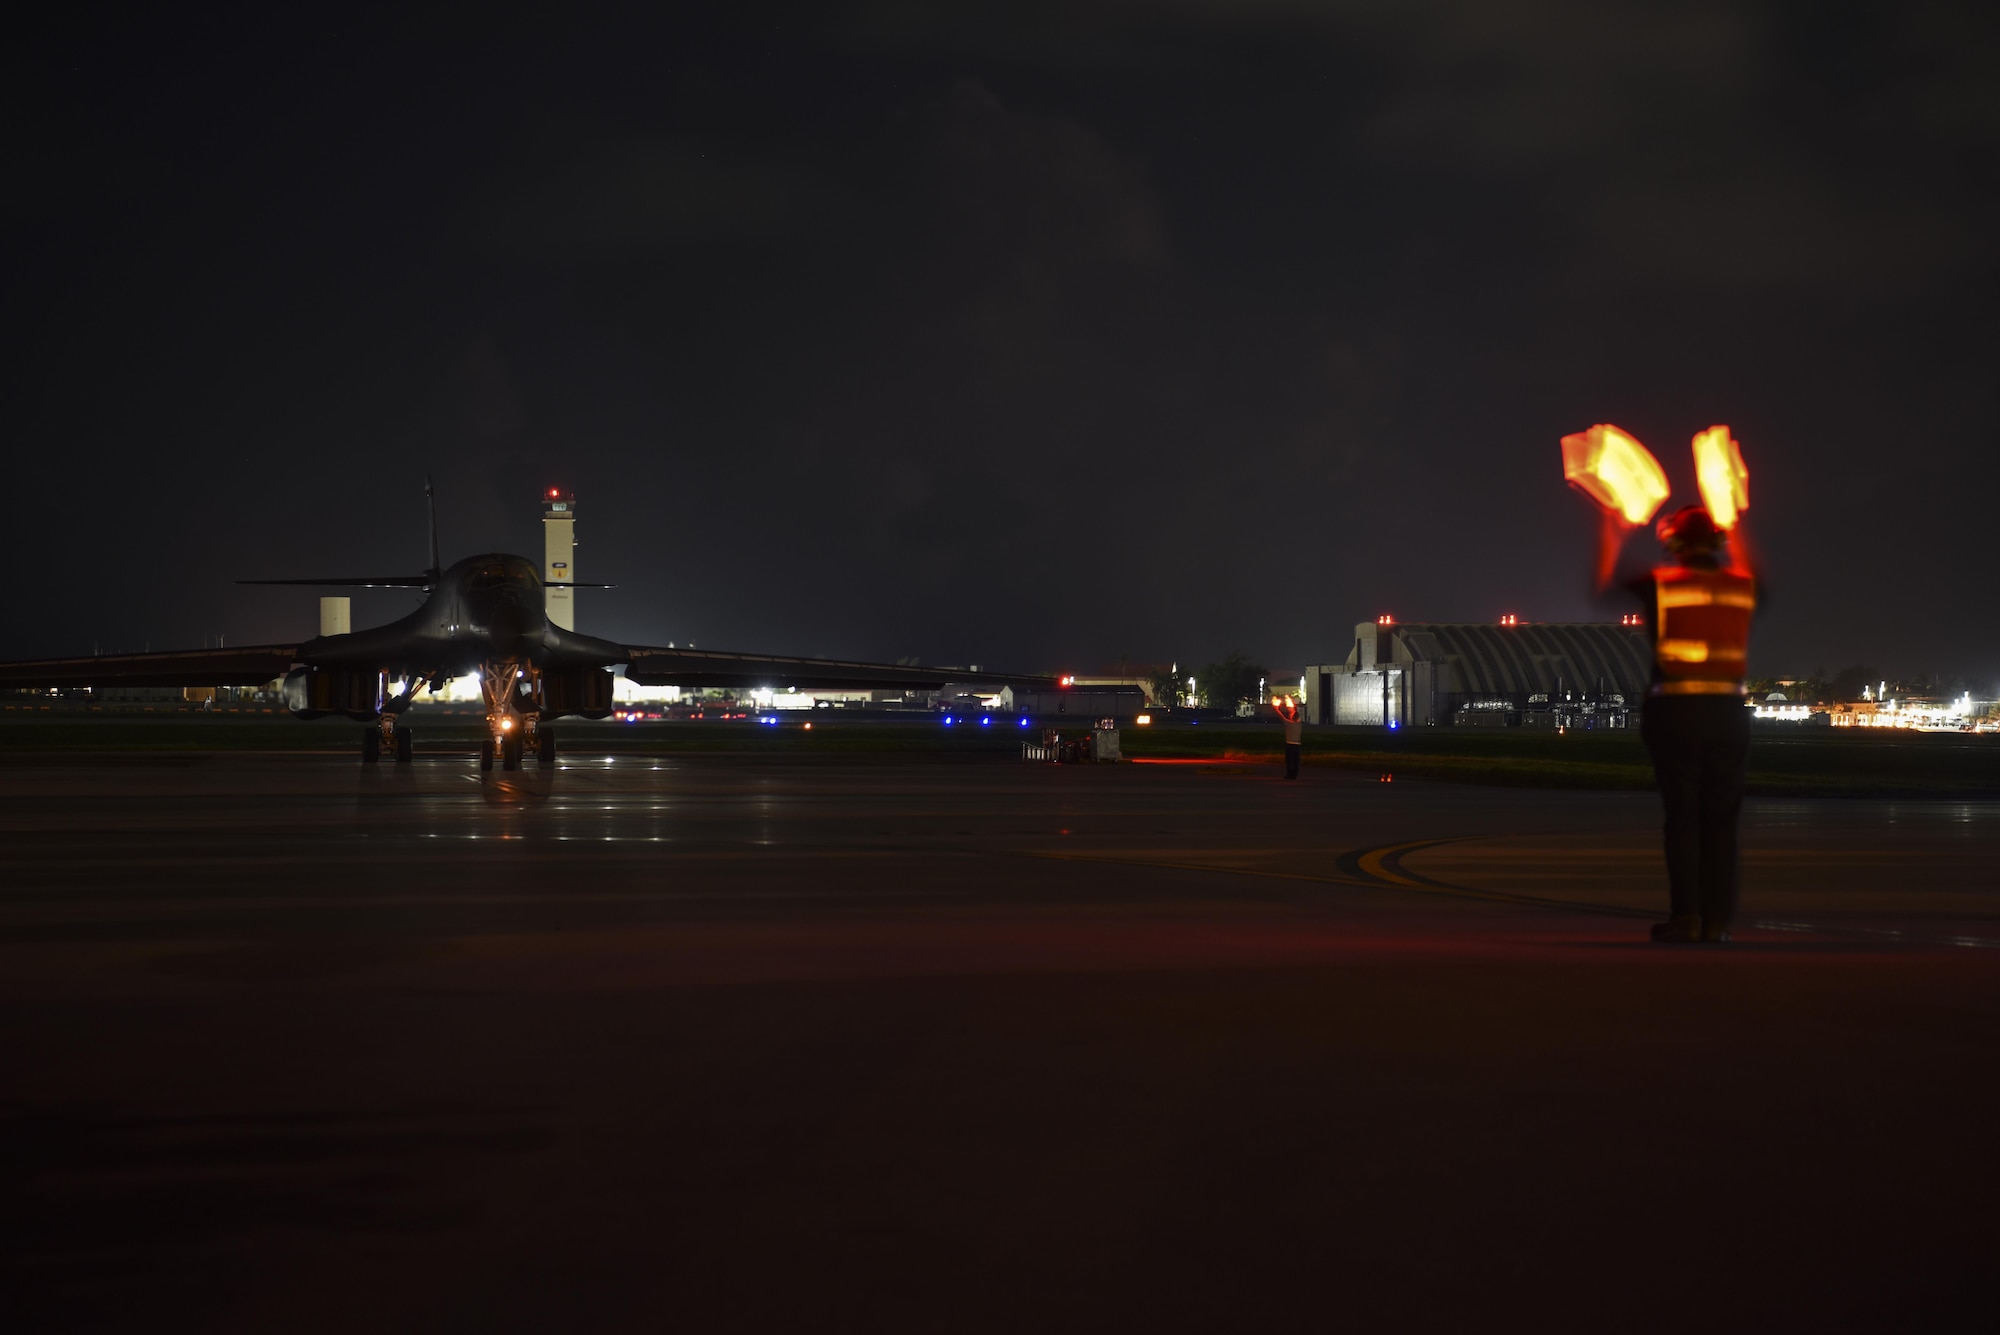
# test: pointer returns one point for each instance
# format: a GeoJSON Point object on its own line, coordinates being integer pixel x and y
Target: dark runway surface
{"type": "Point", "coordinates": [948, 1044]}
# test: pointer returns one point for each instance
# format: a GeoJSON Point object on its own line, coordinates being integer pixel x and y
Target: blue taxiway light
{"type": "Point", "coordinates": [983, 722]}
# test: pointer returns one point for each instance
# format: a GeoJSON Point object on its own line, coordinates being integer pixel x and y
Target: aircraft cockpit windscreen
{"type": "Point", "coordinates": [501, 571]}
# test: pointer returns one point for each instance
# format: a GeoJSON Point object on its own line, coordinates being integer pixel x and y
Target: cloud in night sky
{"type": "Point", "coordinates": [1032, 333]}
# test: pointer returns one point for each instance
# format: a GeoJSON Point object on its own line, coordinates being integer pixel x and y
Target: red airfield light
{"type": "Point", "coordinates": [1385, 620]}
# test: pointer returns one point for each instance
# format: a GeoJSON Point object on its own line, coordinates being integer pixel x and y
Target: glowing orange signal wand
{"type": "Point", "coordinates": [1616, 471]}
{"type": "Point", "coordinates": [1725, 482]}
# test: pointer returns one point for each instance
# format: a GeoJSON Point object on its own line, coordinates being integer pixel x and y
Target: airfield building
{"type": "Point", "coordinates": [336, 616]}
{"type": "Point", "coordinates": [559, 554]}
{"type": "Point", "coordinates": [1424, 674]}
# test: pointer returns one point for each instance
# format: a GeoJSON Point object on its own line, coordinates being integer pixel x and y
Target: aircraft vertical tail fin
{"type": "Point", "coordinates": [430, 503]}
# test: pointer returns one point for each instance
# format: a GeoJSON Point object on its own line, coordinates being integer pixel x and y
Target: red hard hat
{"type": "Point", "coordinates": [1689, 529]}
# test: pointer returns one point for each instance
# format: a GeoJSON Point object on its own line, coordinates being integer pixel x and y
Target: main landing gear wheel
{"type": "Point", "coordinates": [486, 754]}
{"type": "Point", "coordinates": [510, 751]}
{"type": "Point", "coordinates": [546, 752]}
{"type": "Point", "coordinates": [406, 746]}
{"type": "Point", "coordinates": [371, 745]}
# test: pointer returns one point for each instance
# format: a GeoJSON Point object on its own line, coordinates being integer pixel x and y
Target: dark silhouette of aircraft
{"type": "Point", "coordinates": [486, 615]}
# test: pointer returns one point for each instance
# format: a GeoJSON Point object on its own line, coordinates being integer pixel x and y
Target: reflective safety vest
{"type": "Point", "coordinates": [1703, 621]}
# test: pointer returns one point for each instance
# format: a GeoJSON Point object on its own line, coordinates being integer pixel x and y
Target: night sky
{"type": "Point", "coordinates": [1034, 336]}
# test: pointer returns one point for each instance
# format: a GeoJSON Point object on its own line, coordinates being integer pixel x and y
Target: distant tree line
{"type": "Point", "coordinates": [1219, 685]}
{"type": "Point", "coordinates": [1848, 684]}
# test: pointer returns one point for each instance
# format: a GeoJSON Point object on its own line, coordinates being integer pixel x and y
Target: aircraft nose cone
{"type": "Point", "coordinates": [507, 626]}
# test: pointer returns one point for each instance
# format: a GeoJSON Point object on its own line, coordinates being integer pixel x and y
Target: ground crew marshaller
{"type": "Point", "coordinates": [1295, 723]}
{"type": "Point", "coordinates": [1696, 728]}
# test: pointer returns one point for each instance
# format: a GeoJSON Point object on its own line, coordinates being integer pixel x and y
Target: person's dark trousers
{"type": "Point", "coordinates": [1291, 760]}
{"type": "Point", "coordinates": [1700, 746]}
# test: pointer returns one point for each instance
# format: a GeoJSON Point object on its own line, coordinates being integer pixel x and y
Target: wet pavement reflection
{"type": "Point", "coordinates": [735, 1042]}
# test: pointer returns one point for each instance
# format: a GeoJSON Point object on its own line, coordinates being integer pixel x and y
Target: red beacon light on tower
{"type": "Point", "coordinates": [1385, 620]}
{"type": "Point", "coordinates": [1510, 620]}
{"type": "Point", "coordinates": [1631, 619]}
{"type": "Point", "coordinates": [1068, 681]}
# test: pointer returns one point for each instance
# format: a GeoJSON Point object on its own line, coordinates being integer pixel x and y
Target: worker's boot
{"type": "Point", "coordinates": [1681, 928]}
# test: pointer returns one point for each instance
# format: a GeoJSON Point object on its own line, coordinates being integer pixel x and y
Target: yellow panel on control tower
{"type": "Point", "coordinates": [559, 554]}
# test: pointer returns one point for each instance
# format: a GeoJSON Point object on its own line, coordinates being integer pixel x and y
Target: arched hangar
{"type": "Point", "coordinates": [1433, 672]}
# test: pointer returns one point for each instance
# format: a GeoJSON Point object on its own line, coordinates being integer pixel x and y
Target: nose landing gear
{"type": "Point", "coordinates": [513, 717]}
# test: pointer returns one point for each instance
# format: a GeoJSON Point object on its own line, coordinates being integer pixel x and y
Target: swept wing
{"type": "Point", "coordinates": [424, 581]}
{"type": "Point", "coordinates": [248, 666]}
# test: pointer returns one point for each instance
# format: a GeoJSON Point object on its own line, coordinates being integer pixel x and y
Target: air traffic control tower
{"type": "Point", "coordinates": [559, 553]}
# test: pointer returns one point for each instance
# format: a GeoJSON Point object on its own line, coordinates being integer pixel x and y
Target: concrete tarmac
{"type": "Point", "coordinates": [964, 1044]}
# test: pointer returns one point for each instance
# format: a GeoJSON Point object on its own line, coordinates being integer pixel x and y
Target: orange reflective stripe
{"type": "Point", "coordinates": [1697, 651]}
{"type": "Point", "coordinates": [1684, 595]}
{"type": "Point", "coordinates": [1672, 596]}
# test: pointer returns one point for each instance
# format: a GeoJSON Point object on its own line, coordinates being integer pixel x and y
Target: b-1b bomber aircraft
{"type": "Point", "coordinates": [485, 615]}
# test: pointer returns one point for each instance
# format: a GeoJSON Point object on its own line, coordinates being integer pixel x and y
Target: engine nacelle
{"type": "Point", "coordinates": [317, 692]}
{"type": "Point", "coordinates": [585, 691]}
